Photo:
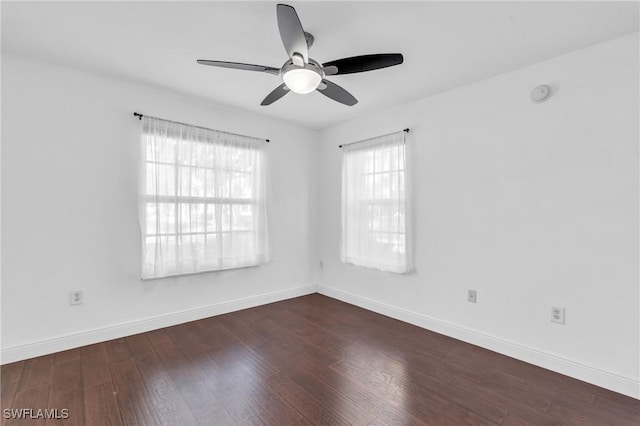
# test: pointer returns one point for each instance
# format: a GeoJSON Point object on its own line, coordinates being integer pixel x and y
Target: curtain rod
{"type": "Point", "coordinates": [404, 130]}
{"type": "Point", "coordinates": [137, 114]}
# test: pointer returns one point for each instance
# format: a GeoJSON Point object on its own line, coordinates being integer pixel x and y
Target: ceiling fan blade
{"type": "Point", "coordinates": [240, 66]}
{"type": "Point", "coordinates": [363, 63]}
{"type": "Point", "coordinates": [276, 94]}
{"type": "Point", "coordinates": [337, 93]}
{"type": "Point", "coordinates": [291, 32]}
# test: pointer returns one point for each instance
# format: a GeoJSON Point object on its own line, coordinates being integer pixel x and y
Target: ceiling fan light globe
{"type": "Point", "coordinates": [302, 80]}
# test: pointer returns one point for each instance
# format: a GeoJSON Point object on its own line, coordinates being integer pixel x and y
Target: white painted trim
{"type": "Point", "coordinates": [624, 385]}
{"type": "Point", "coordinates": [87, 337]}
{"type": "Point", "coordinates": [612, 381]}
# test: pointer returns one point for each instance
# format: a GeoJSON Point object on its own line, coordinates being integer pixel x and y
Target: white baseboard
{"type": "Point", "coordinates": [607, 380]}
{"type": "Point", "coordinates": [74, 340]}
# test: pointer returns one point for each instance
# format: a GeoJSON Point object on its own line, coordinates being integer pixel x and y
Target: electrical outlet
{"type": "Point", "coordinates": [75, 297]}
{"type": "Point", "coordinates": [471, 296]}
{"type": "Point", "coordinates": [557, 315]}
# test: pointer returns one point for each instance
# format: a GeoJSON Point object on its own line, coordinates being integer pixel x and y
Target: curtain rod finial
{"type": "Point", "coordinates": [137, 114]}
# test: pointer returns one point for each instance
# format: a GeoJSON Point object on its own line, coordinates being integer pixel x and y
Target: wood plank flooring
{"type": "Point", "coordinates": [305, 361]}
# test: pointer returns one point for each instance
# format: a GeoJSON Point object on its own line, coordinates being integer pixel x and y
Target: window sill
{"type": "Point", "coordinates": [208, 271]}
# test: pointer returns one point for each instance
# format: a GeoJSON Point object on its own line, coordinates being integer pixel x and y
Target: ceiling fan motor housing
{"type": "Point", "coordinates": [312, 65]}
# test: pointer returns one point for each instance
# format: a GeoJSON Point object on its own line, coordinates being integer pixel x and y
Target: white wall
{"type": "Point", "coordinates": [70, 221]}
{"type": "Point", "coordinates": [533, 205]}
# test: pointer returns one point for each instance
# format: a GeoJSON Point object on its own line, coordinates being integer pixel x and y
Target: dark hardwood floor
{"type": "Point", "coordinates": [310, 360]}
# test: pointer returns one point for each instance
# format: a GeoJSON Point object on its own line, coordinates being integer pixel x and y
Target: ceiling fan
{"type": "Point", "coordinates": [302, 74]}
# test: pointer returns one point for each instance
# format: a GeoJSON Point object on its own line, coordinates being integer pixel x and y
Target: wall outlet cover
{"type": "Point", "coordinates": [471, 296]}
{"type": "Point", "coordinates": [557, 315]}
{"type": "Point", "coordinates": [75, 297]}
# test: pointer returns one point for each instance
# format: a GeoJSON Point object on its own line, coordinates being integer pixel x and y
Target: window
{"type": "Point", "coordinates": [375, 204]}
{"type": "Point", "coordinates": [203, 200]}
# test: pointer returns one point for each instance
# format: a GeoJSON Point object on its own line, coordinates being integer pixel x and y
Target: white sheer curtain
{"type": "Point", "coordinates": [376, 204]}
{"type": "Point", "coordinates": [202, 202]}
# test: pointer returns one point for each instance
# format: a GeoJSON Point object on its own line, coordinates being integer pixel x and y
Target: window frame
{"type": "Point", "coordinates": [360, 225]}
{"type": "Point", "coordinates": [177, 201]}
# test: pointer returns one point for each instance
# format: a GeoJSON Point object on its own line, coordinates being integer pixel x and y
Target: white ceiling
{"type": "Point", "coordinates": [445, 45]}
